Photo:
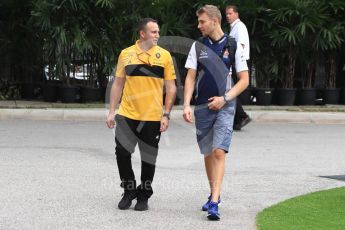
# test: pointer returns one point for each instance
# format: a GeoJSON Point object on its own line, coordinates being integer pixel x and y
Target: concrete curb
{"type": "Point", "coordinates": [55, 114]}
{"type": "Point", "coordinates": [298, 117]}
{"type": "Point", "coordinates": [100, 115]}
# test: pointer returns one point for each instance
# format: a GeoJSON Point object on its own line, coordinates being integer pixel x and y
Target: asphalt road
{"type": "Point", "coordinates": [62, 175]}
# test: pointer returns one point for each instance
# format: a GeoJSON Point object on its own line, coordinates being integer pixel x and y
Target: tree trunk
{"type": "Point", "coordinates": [332, 70]}
{"type": "Point", "coordinates": [308, 83]}
{"type": "Point", "coordinates": [291, 70]}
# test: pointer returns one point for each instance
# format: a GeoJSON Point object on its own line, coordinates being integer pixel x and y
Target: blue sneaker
{"type": "Point", "coordinates": [212, 212]}
{"type": "Point", "coordinates": [205, 206]}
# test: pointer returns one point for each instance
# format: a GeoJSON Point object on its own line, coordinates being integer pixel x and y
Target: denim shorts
{"type": "Point", "coordinates": [214, 128]}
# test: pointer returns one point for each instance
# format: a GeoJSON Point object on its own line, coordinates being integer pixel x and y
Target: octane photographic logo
{"type": "Point", "coordinates": [178, 143]}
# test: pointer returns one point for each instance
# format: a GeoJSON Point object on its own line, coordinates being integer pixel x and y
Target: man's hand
{"type": "Point", "coordinates": [111, 120]}
{"type": "Point", "coordinates": [216, 103]}
{"type": "Point", "coordinates": [188, 113]}
{"type": "Point", "coordinates": [164, 123]}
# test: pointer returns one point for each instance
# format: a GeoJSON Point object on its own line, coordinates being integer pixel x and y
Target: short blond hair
{"type": "Point", "coordinates": [211, 11]}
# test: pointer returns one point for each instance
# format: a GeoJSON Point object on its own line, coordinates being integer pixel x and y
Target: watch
{"type": "Point", "coordinates": [227, 98]}
{"type": "Point", "coordinates": [167, 115]}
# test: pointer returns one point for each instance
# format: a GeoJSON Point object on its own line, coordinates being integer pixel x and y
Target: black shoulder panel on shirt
{"type": "Point", "coordinates": [144, 70]}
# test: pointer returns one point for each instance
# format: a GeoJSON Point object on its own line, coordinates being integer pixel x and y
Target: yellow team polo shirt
{"type": "Point", "coordinates": [145, 72]}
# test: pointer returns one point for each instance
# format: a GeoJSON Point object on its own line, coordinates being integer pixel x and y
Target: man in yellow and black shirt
{"type": "Point", "coordinates": [142, 71]}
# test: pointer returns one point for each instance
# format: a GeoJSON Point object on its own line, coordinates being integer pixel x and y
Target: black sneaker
{"type": "Point", "coordinates": [237, 127]}
{"type": "Point", "coordinates": [141, 203]}
{"type": "Point", "coordinates": [127, 198]}
{"type": "Point", "coordinates": [245, 121]}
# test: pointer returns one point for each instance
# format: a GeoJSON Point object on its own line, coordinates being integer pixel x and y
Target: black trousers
{"type": "Point", "coordinates": [129, 133]}
{"type": "Point", "coordinates": [240, 114]}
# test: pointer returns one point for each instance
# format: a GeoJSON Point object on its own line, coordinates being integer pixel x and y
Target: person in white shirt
{"type": "Point", "coordinates": [239, 31]}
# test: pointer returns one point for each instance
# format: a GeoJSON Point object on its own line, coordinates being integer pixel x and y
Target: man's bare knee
{"type": "Point", "coordinates": [219, 154]}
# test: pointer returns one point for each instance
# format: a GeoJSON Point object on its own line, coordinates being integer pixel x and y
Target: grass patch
{"type": "Point", "coordinates": [315, 211]}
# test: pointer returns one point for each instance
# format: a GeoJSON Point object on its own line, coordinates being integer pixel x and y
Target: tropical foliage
{"type": "Point", "coordinates": [20, 45]}
{"type": "Point", "coordinates": [289, 38]}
